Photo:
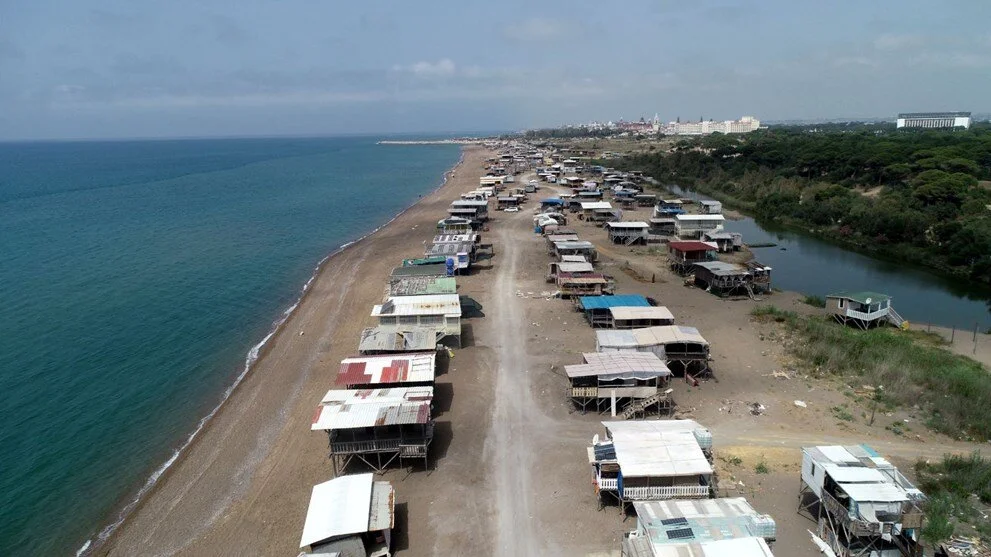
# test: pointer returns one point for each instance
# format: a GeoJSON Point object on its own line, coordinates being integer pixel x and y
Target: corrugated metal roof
{"type": "Point", "coordinates": [573, 259]}
{"type": "Point", "coordinates": [569, 267]}
{"type": "Point", "coordinates": [432, 270]}
{"type": "Point", "coordinates": [691, 246]}
{"type": "Point", "coordinates": [640, 312]}
{"type": "Point", "coordinates": [430, 304]}
{"type": "Point", "coordinates": [350, 409]}
{"type": "Point", "coordinates": [594, 205]}
{"type": "Point", "coordinates": [470, 203]}
{"type": "Point", "coordinates": [339, 507]}
{"type": "Point", "coordinates": [558, 237]}
{"type": "Point", "coordinates": [735, 547]}
{"type": "Point", "coordinates": [605, 302]}
{"type": "Point", "coordinates": [689, 218]}
{"type": "Point", "coordinates": [874, 492]}
{"type": "Point", "coordinates": [629, 224]}
{"type": "Point", "coordinates": [394, 368]}
{"type": "Point", "coordinates": [648, 427]}
{"type": "Point", "coordinates": [660, 454]}
{"type": "Point", "coordinates": [601, 364]}
{"type": "Point", "coordinates": [382, 515]}
{"type": "Point", "coordinates": [722, 269]}
{"type": "Point", "coordinates": [579, 244]}
{"type": "Point", "coordinates": [700, 525]}
{"type": "Point", "coordinates": [449, 249]}
{"type": "Point", "coordinates": [418, 286]}
{"type": "Point", "coordinates": [454, 238]}
{"type": "Point", "coordinates": [581, 278]}
{"type": "Point", "coordinates": [405, 338]}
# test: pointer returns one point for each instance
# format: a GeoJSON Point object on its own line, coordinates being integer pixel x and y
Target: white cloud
{"type": "Point", "coordinates": [539, 29]}
{"type": "Point", "coordinates": [444, 67]}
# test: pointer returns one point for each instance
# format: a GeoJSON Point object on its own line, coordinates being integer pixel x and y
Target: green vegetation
{"type": "Point", "coordinates": [762, 468]}
{"type": "Point", "coordinates": [842, 414]}
{"type": "Point", "coordinates": [952, 486]}
{"type": "Point", "coordinates": [953, 391]}
{"type": "Point", "coordinates": [918, 196]}
{"type": "Point", "coordinates": [814, 301]}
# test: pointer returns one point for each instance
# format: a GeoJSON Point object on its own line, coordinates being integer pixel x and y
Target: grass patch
{"type": "Point", "coordinates": [956, 485]}
{"type": "Point", "coordinates": [815, 301]}
{"type": "Point", "coordinates": [762, 468]}
{"type": "Point", "coordinates": [842, 414]}
{"type": "Point", "coordinates": [954, 390]}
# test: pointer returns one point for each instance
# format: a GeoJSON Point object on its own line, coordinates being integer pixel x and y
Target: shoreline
{"type": "Point", "coordinates": [104, 541]}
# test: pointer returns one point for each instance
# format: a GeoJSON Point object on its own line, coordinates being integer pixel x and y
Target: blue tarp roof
{"type": "Point", "coordinates": [605, 302]}
{"type": "Point", "coordinates": [552, 201]}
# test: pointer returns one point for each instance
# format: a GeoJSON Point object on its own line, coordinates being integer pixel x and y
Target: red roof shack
{"type": "Point", "coordinates": [685, 254]}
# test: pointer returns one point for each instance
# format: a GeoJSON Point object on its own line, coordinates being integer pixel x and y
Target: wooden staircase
{"type": "Point", "coordinates": [895, 319]}
{"type": "Point", "coordinates": [640, 406]}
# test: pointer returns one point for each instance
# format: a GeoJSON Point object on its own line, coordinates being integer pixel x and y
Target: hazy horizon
{"type": "Point", "coordinates": [105, 69]}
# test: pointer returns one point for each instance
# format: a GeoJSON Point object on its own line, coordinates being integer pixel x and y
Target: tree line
{"type": "Point", "coordinates": [921, 195]}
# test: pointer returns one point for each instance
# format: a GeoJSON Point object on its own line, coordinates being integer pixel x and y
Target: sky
{"type": "Point", "coordinates": [184, 68]}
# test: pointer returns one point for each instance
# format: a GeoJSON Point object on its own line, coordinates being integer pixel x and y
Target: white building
{"type": "Point", "coordinates": [745, 124]}
{"type": "Point", "coordinates": [934, 120]}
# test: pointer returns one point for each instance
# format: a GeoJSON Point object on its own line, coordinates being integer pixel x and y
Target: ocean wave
{"type": "Point", "coordinates": [252, 356]}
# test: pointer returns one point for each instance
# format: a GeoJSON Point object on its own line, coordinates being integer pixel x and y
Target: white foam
{"type": "Point", "coordinates": [249, 361]}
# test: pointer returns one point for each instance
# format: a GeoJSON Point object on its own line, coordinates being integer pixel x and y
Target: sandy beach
{"type": "Point", "coordinates": [508, 469]}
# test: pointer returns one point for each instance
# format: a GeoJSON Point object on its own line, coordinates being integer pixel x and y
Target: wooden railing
{"type": "Point", "coordinates": [373, 446]}
{"type": "Point", "coordinates": [669, 492]}
{"type": "Point", "coordinates": [579, 392]}
{"type": "Point", "coordinates": [865, 316]}
{"type": "Point", "coordinates": [840, 512]}
{"type": "Point", "coordinates": [608, 484]}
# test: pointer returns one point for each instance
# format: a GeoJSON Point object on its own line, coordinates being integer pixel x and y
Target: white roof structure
{"type": "Point", "coordinates": [648, 336]}
{"type": "Point", "coordinates": [619, 365]}
{"type": "Point", "coordinates": [628, 224]}
{"type": "Point", "coordinates": [735, 547]}
{"type": "Point", "coordinates": [595, 205]}
{"type": "Point", "coordinates": [684, 218]}
{"type": "Point", "coordinates": [348, 505]}
{"type": "Point", "coordinates": [573, 244]}
{"type": "Point", "coordinates": [569, 267]}
{"type": "Point", "coordinates": [430, 304]}
{"type": "Point", "coordinates": [625, 313]}
{"type": "Point", "coordinates": [470, 203]}
{"type": "Point", "coordinates": [353, 409]}
{"type": "Point", "coordinates": [862, 474]}
{"type": "Point", "coordinates": [645, 451]}
{"type": "Point", "coordinates": [393, 368]}
{"type": "Point", "coordinates": [573, 259]}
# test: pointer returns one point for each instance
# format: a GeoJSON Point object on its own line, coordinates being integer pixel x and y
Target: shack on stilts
{"type": "Point", "coordinates": [615, 382]}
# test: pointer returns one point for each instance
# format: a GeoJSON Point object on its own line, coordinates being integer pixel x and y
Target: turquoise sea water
{"type": "Point", "coordinates": [134, 279]}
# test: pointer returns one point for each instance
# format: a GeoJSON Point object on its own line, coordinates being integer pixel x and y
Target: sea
{"type": "Point", "coordinates": [138, 279]}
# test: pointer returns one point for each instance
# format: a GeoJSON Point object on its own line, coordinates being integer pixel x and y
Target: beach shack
{"type": "Point", "coordinates": [638, 317]}
{"type": "Point", "coordinates": [442, 311]}
{"type": "Point", "coordinates": [470, 213]}
{"type": "Point", "coordinates": [458, 255]}
{"type": "Point", "coordinates": [628, 233]}
{"type": "Point", "coordinates": [861, 503]}
{"type": "Point", "coordinates": [376, 426]}
{"type": "Point", "coordinates": [723, 278]}
{"type": "Point", "coordinates": [588, 208]}
{"type": "Point", "coordinates": [596, 308]}
{"type": "Point", "coordinates": [574, 247]}
{"type": "Point", "coordinates": [864, 309]}
{"type": "Point", "coordinates": [555, 267]}
{"type": "Point", "coordinates": [645, 199]}
{"type": "Point", "coordinates": [710, 207]}
{"type": "Point", "coordinates": [481, 206]}
{"type": "Point", "coordinates": [725, 242]}
{"type": "Point", "coordinates": [551, 204]}
{"type": "Point", "coordinates": [682, 348]}
{"type": "Point", "coordinates": [393, 370]}
{"type": "Point", "coordinates": [387, 339]}
{"type": "Point", "coordinates": [456, 225]}
{"type": "Point", "coordinates": [651, 460]}
{"type": "Point", "coordinates": [662, 226]}
{"type": "Point", "coordinates": [350, 516]}
{"type": "Point", "coordinates": [683, 255]}
{"type": "Point", "coordinates": [694, 226]}
{"type": "Point", "coordinates": [725, 527]}
{"type": "Point", "coordinates": [572, 284]}
{"type": "Point", "coordinates": [615, 381]}
{"type": "Point", "coordinates": [669, 208]}
{"type": "Point", "coordinates": [506, 201]}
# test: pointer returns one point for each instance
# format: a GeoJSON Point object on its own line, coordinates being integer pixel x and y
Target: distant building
{"type": "Point", "coordinates": [934, 120]}
{"type": "Point", "coordinates": [743, 125]}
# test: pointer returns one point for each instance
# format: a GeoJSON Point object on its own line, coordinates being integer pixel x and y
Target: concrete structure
{"type": "Point", "coordinates": [934, 120]}
{"type": "Point", "coordinates": [652, 460]}
{"type": "Point", "coordinates": [350, 515]}
{"type": "Point", "coordinates": [745, 124]}
{"type": "Point", "coordinates": [727, 527]}
{"type": "Point", "coordinates": [863, 506]}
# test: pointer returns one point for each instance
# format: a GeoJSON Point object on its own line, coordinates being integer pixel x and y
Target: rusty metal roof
{"type": "Point", "coordinates": [393, 368]}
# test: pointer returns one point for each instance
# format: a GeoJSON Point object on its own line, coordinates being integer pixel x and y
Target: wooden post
{"type": "Point", "coordinates": [953, 334]}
